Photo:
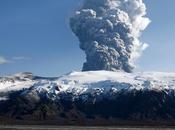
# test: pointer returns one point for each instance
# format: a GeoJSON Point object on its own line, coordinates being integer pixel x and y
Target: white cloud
{"type": "Point", "coordinates": [3, 60]}
{"type": "Point", "coordinates": [20, 58]}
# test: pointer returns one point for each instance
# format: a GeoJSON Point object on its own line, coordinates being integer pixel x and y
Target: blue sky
{"type": "Point", "coordinates": [35, 37]}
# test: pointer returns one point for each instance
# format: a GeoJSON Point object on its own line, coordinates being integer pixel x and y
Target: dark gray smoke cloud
{"type": "Point", "coordinates": [108, 31]}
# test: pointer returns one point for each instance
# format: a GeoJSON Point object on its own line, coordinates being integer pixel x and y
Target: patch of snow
{"type": "Point", "coordinates": [3, 98]}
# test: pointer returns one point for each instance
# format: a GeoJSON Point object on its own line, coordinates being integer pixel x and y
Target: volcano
{"type": "Point", "coordinates": [89, 98]}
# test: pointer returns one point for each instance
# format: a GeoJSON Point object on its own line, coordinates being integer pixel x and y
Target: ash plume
{"type": "Point", "coordinates": [109, 31]}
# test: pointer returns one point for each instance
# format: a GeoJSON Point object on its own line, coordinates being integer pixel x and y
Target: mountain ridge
{"type": "Point", "coordinates": [91, 96]}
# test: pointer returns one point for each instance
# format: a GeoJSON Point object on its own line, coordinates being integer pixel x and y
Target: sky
{"type": "Point", "coordinates": [35, 37]}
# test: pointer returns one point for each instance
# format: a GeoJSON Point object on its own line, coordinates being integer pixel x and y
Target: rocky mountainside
{"type": "Point", "coordinates": [94, 97]}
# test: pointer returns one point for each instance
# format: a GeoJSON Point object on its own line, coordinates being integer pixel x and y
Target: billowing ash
{"type": "Point", "coordinates": [108, 31]}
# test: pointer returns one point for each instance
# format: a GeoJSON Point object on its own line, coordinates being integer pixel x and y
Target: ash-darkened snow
{"type": "Point", "coordinates": [108, 31]}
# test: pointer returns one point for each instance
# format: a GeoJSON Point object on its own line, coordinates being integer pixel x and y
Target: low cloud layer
{"type": "Point", "coordinates": [20, 58]}
{"type": "Point", "coordinates": [3, 60]}
{"type": "Point", "coordinates": [108, 31]}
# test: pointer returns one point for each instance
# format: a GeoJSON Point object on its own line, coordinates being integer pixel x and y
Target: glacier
{"type": "Point", "coordinates": [78, 83]}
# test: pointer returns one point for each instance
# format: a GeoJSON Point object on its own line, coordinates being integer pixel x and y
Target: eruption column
{"type": "Point", "coordinates": [108, 31]}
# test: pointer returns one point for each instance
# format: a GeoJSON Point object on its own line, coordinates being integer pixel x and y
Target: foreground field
{"type": "Point", "coordinates": [76, 128]}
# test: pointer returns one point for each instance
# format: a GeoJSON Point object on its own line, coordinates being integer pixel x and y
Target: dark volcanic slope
{"type": "Point", "coordinates": [140, 106]}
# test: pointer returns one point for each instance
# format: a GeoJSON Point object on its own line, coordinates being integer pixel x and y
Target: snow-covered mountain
{"type": "Point", "coordinates": [92, 94]}
{"type": "Point", "coordinates": [79, 83]}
